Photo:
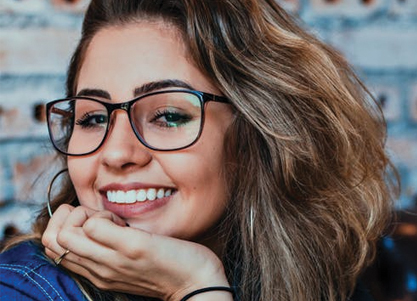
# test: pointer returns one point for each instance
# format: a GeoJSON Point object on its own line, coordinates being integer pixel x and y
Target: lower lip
{"type": "Point", "coordinates": [135, 209]}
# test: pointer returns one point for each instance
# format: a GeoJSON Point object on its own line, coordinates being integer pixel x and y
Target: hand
{"type": "Point", "coordinates": [118, 258]}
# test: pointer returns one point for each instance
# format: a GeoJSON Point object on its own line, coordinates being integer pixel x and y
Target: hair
{"type": "Point", "coordinates": [310, 185]}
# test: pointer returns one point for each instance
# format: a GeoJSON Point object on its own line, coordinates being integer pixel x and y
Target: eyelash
{"type": "Point", "coordinates": [158, 114]}
{"type": "Point", "coordinates": [84, 121]}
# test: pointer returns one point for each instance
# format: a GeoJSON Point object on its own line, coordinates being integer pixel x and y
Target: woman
{"type": "Point", "coordinates": [249, 161]}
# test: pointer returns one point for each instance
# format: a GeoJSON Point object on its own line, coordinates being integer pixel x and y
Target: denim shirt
{"type": "Point", "coordinates": [26, 274]}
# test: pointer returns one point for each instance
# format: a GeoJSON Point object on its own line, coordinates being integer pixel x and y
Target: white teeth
{"type": "Point", "coordinates": [141, 195]}
{"type": "Point", "coordinates": [131, 196]}
{"type": "Point", "coordinates": [160, 193]}
{"type": "Point", "coordinates": [120, 196]}
{"type": "Point", "coordinates": [151, 195]}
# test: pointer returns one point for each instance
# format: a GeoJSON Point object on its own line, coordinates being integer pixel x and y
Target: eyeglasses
{"type": "Point", "coordinates": [164, 120]}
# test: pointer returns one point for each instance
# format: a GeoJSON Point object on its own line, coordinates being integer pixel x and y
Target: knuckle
{"type": "Point", "coordinates": [133, 249]}
{"type": "Point", "coordinates": [79, 210]}
{"type": "Point", "coordinates": [63, 208]}
{"type": "Point", "coordinates": [48, 252]}
{"type": "Point", "coordinates": [104, 280]}
{"type": "Point", "coordinates": [66, 207]}
{"type": "Point", "coordinates": [101, 214]}
{"type": "Point", "coordinates": [98, 283]}
{"type": "Point", "coordinates": [107, 276]}
{"type": "Point", "coordinates": [46, 240]}
{"type": "Point", "coordinates": [102, 285]}
{"type": "Point", "coordinates": [90, 225]}
{"type": "Point", "coordinates": [63, 237]}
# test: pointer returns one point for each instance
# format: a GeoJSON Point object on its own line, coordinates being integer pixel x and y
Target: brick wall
{"type": "Point", "coordinates": [379, 37]}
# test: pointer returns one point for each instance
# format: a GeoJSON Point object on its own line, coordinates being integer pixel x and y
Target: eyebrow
{"type": "Point", "coordinates": [94, 92]}
{"type": "Point", "coordinates": [145, 88]}
{"type": "Point", "coordinates": [158, 85]}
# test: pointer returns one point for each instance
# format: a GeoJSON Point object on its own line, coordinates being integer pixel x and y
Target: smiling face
{"type": "Point", "coordinates": [175, 193]}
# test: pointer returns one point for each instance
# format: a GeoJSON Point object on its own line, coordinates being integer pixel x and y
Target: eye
{"type": "Point", "coordinates": [170, 118]}
{"type": "Point", "coordinates": [92, 120]}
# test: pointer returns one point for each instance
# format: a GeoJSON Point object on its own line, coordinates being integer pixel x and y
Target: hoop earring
{"type": "Point", "coordinates": [48, 204]}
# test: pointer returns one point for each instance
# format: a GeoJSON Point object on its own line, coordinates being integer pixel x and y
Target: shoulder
{"type": "Point", "coordinates": [26, 274]}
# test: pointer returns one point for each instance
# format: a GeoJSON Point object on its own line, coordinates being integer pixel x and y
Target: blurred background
{"type": "Point", "coordinates": [379, 38]}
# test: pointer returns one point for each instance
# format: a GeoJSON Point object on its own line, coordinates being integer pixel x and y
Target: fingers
{"type": "Point", "coordinates": [66, 230]}
{"type": "Point", "coordinates": [113, 235]}
{"type": "Point", "coordinates": [73, 235]}
{"type": "Point", "coordinates": [108, 215]}
{"type": "Point", "coordinates": [56, 237]}
{"type": "Point", "coordinates": [81, 214]}
{"type": "Point", "coordinates": [49, 237]}
{"type": "Point", "coordinates": [55, 224]}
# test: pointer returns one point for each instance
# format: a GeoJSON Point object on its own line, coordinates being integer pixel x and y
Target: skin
{"type": "Point", "coordinates": [171, 244]}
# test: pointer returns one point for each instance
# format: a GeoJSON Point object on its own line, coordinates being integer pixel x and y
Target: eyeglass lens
{"type": "Point", "coordinates": [162, 121]}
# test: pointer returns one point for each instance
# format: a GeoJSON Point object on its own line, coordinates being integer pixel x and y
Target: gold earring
{"type": "Point", "coordinates": [50, 189]}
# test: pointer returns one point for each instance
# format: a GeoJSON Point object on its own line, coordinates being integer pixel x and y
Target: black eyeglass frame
{"type": "Point", "coordinates": [126, 106]}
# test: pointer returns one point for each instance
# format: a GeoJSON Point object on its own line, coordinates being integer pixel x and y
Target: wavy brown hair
{"type": "Point", "coordinates": [308, 177]}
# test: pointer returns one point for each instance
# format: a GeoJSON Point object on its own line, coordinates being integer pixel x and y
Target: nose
{"type": "Point", "coordinates": [122, 149]}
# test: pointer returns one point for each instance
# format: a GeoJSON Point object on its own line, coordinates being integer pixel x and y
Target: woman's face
{"type": "Point", "coordinates": [119, 61]}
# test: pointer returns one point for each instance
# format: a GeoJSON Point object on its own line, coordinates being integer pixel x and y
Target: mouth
{"type": "Point", "coordinates": [135, 199]}
{"type": "Point", "coordinates": [137, 195]}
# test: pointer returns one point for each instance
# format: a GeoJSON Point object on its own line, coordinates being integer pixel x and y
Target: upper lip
{"type": "Point", "coordinates": [131, 186]}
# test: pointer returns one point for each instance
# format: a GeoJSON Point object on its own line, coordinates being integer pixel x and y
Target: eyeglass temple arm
{"type": "Point", "coordinates": [60, 112]}
{"type": "Point", "coordinates": [216, 98]}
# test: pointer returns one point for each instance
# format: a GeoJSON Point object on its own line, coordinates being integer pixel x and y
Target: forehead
{"type": "Point", "coordinates": [137, 53]}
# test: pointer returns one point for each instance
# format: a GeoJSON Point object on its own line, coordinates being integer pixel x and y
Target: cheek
{"type": "Point", "coordinates": [202, 193]}
{"type": "Point", "coordinates": [198, 173]}
{"type": "Point", "coordinates": [81, 172]}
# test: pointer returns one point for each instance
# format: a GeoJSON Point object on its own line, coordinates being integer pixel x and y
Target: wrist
{"type": "Point", "coordinates": [209, 273]}
{"type": "Point", "coordinates": [205, 291]}
{"type": "Point", "coordinates": [221, 293]}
